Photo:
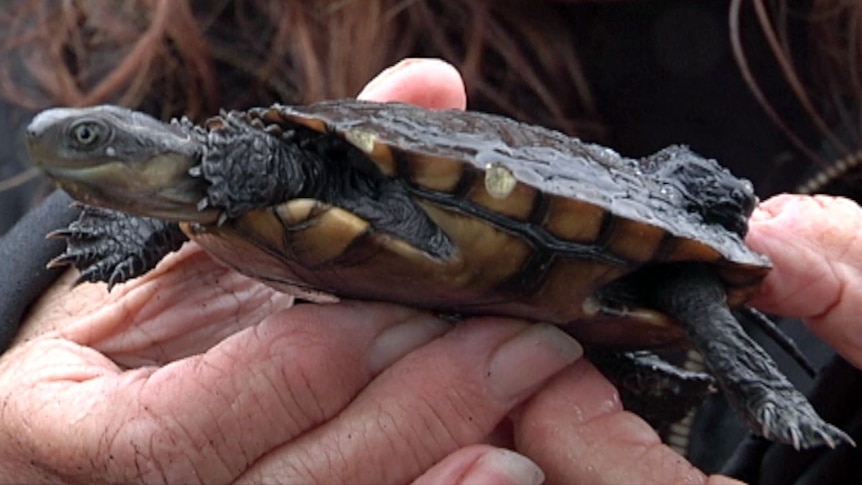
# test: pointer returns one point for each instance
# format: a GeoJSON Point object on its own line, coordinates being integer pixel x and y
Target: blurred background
{"type": "Point", "coordinates": [769, 88]}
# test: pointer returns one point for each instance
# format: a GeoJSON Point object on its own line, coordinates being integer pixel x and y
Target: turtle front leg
{"type": "Point", "coordinates": [750, 379]}
{"type": "Point", "coordinates": [113, 247]}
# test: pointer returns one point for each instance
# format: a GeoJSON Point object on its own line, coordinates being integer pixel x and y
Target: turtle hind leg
{"type": "Point", "coordinates": [750, 379]}
{"type": "Point", "coordinates": [113, 247]}
{"type": "Point", "coordinates": [651, 387]}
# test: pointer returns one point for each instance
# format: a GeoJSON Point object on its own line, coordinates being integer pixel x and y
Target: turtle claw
{"type": "Point", "coordinates": [765, 399]}
{"type": "Point", "coordinates": [196, 172]}
{"type": "Point", "coordinates": [203, 204]}
{"type": "Point", "coordinates": [59, 234]}
{"type": "Point", "coordinates": [222, 218]}
{"type": "Point", "coordinates": [798, 426]}
{"type": "Point", "coordinates": [114, 247]}
{"type": "Point", "coordinates": [62, 260]}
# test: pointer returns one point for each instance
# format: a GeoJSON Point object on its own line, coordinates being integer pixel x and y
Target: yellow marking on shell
{"type": "Point", "coordinates": [574, 220]}
{"type": "Point", "coordinates": [367, 141]}
{"type": "Point", "coordinates": [682, 249]}
{"type": "Point", "coordinates": [487, 256]}
{"type": "Point", "coordinates": [260, 226]}
{"type": "Point", "coordinates": [629, 328]}
{"type": "Point", "coordinates": [633, 240]}
{"type": "Point", "coordinates": [240, 245]}
{"type": "Point", "coordinates": [312, 223]}
{"type": "Point", "coordinates": [742, 275]}
{"type": "Point", "coordinates": [435, 173]}
{"type": "Point", "coordinates": [314, 124]}
{"type": "Point", "coordinates": [569, 282]}
{"type": "Point", "coordinates": [246, 243]}
{"type": "Point", "coordinates": [297, 211]}
{"type": "Point", "coordinates": [518, 203]}
{"type": "Point", "coordinates": [323, 236]}
{"type": "Point", "coordinates": [403, 248]}
{"type": "Point", "coordinates": [361, 139]}
{"type": "Point", "coordinates": [263, 225]}
{"type": "Point", "coordinates": [499, 180]}
{"type": "Point", "coordinates": [591, 306]}
{"type": "Point", "coordinates": [741, 282]}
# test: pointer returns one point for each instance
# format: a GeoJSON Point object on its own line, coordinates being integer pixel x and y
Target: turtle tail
{"type": "Point", "coordinates": [767, 326]}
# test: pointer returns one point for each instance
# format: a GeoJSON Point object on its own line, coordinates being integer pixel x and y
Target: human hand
{"type": "Point", "coordinates": [815, 243]}
{"type": "Point", "coordinates": [575, 428]}
{"type": "Point", "coordinates": [194, 373]}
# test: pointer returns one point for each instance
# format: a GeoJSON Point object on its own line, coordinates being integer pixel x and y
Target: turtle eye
{"type": "Point", "coordinates": [87, 133]}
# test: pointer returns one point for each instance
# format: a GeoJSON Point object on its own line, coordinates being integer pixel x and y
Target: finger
{"type": "Point", "coordinates": [576, 430]}
{"type": "Point", "coordinates": [483, 464]}
{"type": "Point", "coordinates": [183, 307]}
{"type": "Point", "coordinates": [815, 244]}
{"type": "Point", "coordinates": [430, 83]}
{"type": "Point", "coordinates": [446, 395]}
{"type": "Point", "coordinates": [191, 420]}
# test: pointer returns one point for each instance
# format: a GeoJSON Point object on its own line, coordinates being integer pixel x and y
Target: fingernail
{"type": "Point", "coordinates": [396, 341]}
{"type": "Point", "coordinates": [760, 215]}
{"type": "Point", "coordinates": [530, 358]}
{"type": "Point", "coordinates": [502, 466]}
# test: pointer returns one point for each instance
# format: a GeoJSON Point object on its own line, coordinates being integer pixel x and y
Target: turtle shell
{"type": "Point", "coordinates": [541, 225]}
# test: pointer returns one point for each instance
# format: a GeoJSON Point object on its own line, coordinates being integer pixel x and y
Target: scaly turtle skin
{"type": "Point", "coordinates": [454, 211]}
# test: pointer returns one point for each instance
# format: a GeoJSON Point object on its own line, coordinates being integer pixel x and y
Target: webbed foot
{"type": "Point", "coordinates": [114, 247]}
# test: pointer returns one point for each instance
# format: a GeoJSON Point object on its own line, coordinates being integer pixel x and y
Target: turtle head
{"type": "Point", "coordinates": [114, 157]}
{"type": "Point", "coordinates": [706, 189]}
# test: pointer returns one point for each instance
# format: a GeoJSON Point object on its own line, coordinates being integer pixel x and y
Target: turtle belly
{"type": "Point", "coordinates": [314, 249]}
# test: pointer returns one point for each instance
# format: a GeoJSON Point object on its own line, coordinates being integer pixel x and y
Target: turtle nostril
{"type": "Point", "coordinates": [35, 129]}
{"type": "Point", "coordinates": [43, 122]}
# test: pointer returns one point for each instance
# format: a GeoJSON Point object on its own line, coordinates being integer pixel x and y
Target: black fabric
{"type": "Point", "coordinates": [24, 252]}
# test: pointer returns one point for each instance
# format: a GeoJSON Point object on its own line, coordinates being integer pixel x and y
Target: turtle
{"type": "Point", "coordinates": [459, 212]}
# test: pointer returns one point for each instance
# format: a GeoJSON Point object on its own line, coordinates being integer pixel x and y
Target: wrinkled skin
{"type": "Point", "coordinates": [194, 373]}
